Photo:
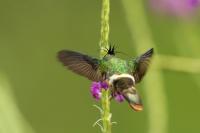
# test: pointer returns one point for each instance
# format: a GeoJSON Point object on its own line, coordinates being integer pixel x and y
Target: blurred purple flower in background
{"type": "Point", "coordinates": [97, 87]}
{"type": "Point", "coordinates": [180, 8]}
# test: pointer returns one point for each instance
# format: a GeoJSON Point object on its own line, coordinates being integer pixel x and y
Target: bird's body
{"type": "Point", "coordinates": [113, 65]}
{"type": "Point", "coordinates": [122, 75]}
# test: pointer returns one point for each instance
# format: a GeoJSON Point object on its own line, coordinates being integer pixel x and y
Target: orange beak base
{"type": "Point", "coordinates": [136, 107]}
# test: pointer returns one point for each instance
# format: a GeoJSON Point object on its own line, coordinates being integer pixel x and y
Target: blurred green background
{"type": "Point", "coordinates": [38, 95]}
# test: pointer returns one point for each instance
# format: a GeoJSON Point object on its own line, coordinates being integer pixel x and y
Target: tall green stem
{"type": "Point", "coordinates": [12, 120]}
{"type": "Point", "coordinates": [104, 27]}
{"type": "Point", "coordinates": [105, 102]}
{"type": "Point", "coordinates": [106, 115]}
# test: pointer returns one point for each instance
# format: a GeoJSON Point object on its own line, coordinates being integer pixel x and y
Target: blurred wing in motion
{"type": "Point", "coordinates": [81, 64]}
{"type": "Point", "coordinates": [141, 65]}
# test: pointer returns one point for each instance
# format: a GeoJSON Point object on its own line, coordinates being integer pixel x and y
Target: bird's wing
{"type": "Point", "coordinates": [81, 64]}
{"type": "Point", "coordinates": [141, 65]}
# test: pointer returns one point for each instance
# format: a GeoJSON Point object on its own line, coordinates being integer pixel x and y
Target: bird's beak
{"type": "Point", "coordinates": [137, 107]}
{"type": "Point", "coordinates": [134, 99]}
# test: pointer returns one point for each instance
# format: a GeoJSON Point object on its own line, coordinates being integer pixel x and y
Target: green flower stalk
{"type": "Point", "coordinates": [104, 27]}
{"type": "Point", "coordinates": [105, 101]}
{"type": "Point", "coordinates": [106, 115]}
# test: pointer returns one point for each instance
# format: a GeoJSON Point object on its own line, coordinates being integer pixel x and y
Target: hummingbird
{"type": "Point", "coordinates": [122, 75]}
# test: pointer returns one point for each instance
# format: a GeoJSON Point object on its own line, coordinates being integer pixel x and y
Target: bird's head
{"type": "Point", "coordinates": [125, 85]}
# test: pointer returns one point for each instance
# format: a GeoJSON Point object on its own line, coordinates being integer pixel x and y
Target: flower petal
{"type": "Point", "coordinates": [119, 97]}
{"type": "Point", "coordinates": [95, 90]}
{"type": "Point", "coordinates": [104, 85]}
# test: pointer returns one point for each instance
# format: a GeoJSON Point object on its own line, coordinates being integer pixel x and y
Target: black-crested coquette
{"type": "Point", "coordinates": [121, 75]}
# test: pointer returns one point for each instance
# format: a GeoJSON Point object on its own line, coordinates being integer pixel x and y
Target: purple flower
{"type": "Point", "coordinates": [119, 97]}
{"type": "Point", "coordinates": [193, 3]}
{"type": "Point", "coordinates": [104, 85]}
{"type": "Point", "coordinates": [97, 87]}
{"type": "Point", "coordinates": [181, 8]}
{"type": "Point", "coordinates": [95, 90]}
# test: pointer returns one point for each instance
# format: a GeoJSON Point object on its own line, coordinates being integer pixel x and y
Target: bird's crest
{"type": "Point", "coordinates": [111, 50]}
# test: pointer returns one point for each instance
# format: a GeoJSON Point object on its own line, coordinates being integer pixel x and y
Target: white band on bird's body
{"type": "Point", "coordinates": [118, 76]}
